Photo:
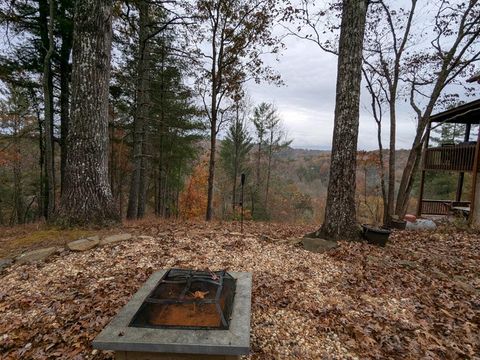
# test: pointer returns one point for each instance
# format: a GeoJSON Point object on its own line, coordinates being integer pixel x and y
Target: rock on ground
{"type": "Point", "coordinates": [115, 238]}
{"type": "Point", "coordinates": [421, 224]}
{"type": "Point", "coordinates": [35, 255]}
{"type": "Point", "coordinates": [84, 244]}
{"type": "Point", "coordinates": [5, 263]}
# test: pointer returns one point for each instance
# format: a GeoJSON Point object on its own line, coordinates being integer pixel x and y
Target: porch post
{"type": "Point", "coordinates": [474, 218]}
{"type": "Point", "coordinates": [422, 178]}
{"type": "Point", "coordinates": [458, 196]}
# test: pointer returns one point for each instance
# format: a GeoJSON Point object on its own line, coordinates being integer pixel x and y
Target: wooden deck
{"type": "Point", "coordinates": [450, 158]}
{"type": "Point", "coordinates": [442, 207]}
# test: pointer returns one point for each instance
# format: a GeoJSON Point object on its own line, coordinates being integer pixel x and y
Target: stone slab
{"type": "Point", "coordinates": [35, 255]}
{"type": "Point", "coordinates": [118, 336]}
{"type": "Point", "coordinates": [318, 245]}
{"type": "Point", "coordinates": [84, 244]}
{"type": "Point", "coordinates": [129, 355]}
{"type": "Point", "coordinates": [115, 238]}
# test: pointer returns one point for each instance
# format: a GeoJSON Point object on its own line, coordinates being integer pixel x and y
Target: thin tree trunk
{"type": "Point", "coordinates": [48, 99]}
{"type": "Point", "coordinates": [213, 134]}
{"type": "Point", "coordinates": [136, 200]}
{"type": "Point", "coordinates": [65, 72]}
{"type": "Point", "coordinates": [340, 212]}
{"type": "Point", "coordinates": [382, 172]}
{"type": "Point", "coordinates": [258, 175]}
{"type": "Point", "coordinates": [87, 197]}
{"type": "Point", "coordinates": [17, 214]}
{"type": "Point", "coordinates": [409, 172]}
{"type": "Point", "coordinates": [211, 170]}
{"type": "Point", "coordinates": [269, 168]}
{"type": "Point", "coordinates": [391, 163]}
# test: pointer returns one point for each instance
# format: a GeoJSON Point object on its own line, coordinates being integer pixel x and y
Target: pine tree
{"type": "Point", "coordinates": [235, 149]}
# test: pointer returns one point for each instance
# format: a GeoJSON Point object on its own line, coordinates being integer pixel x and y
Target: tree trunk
{"type": "Point", "coordinates": [18, 204]}
{"type": "Point", "coordinates": [234, 188]}
{"type": "Point", "coordinates": [391, 163]}
{"type": "Point", "coordinates": [382, 172]}
{"type": "Point", "coordinates": [211, 170]}
{"type": "Point", "coordinates": [87, 197]}
{"type": "Point", "coordinates": [136, 200]}
{"type": "Point", "coordinates": [213, 134]}
{"type": "Point", "coordinates": [269, 168]}
{"type": "Point", "coordinates": [65, 72]}
{"type": "Point", "coordinates": [408, 175]}
{"type": "Point", "coordinates": [340, 213]}
{"type": "Point", "coordinates": [48, 99]}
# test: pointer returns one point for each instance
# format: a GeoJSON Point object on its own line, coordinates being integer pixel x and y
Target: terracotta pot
{"type": "Point", "coordinates": [410, 218]}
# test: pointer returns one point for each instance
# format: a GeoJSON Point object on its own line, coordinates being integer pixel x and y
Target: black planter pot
{"type": "Point", "coordinates": [398, 224]}
{"type": "Point", "coordinates": [375, 235]}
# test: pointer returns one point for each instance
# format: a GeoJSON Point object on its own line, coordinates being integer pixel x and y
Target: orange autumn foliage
{"type": "Point", "coordinates": [193, 199]}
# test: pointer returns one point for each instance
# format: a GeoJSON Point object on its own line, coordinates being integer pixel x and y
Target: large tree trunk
{"type": "Point", "coordinates": [136, 200]}
{"type": "Point", "coordinates": [87, 197]}
{"type": "Point", "coordinates": [340, 212]}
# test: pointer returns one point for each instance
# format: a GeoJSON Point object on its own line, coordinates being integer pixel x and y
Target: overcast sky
{"type": "Point", "coordinates": [307, 102]}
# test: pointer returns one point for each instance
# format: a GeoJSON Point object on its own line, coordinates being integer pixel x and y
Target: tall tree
{"type": "Point", "coordinates": [275, 141]}
{"type": "Point", "coordinates": [87, 197]}
{"type": "Point", "coordinates": [340, 212]}
{"type": "Point", "coordinates": [24, 63]}
{"type": "Point", "coordinates": [383, 65]}
{"type": "Point", "coordinates": [450, 57]}
{"type": "Point", "coordinates": [235, 149]}
{"type": "Point", "coordinates": [136, 200]}
{"type": "Point", "coordinates": [261, 116]}
{"type": "Point", "coordinates": [236, 32]}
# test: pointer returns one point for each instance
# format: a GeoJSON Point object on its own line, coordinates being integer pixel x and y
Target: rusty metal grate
{"type": "Point", "coordinates": [188, 299]}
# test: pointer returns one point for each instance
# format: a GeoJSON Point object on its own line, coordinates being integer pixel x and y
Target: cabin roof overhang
{"type": "Point", "coordinates": [468, 113]}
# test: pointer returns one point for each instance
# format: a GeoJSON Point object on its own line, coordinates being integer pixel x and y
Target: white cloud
{"type": "Point", "coordinates": [307, 102]}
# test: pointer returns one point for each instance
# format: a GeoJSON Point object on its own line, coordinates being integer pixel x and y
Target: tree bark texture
{"type": "Point", "coordinates": [137, 198]}
{"type": "Point", "coordinates": [340, 212]}
{"type": "Point", "coordinates": [87, 196]}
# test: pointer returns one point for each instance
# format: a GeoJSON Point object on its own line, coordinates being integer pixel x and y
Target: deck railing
{"type": "Point", "coordinates": [450, 158]}
{"type": "Point", "coordinates": [440, 207]}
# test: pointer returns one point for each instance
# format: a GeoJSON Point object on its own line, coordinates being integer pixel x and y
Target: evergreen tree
{"type": "Point", "coordinates": [235, 149]}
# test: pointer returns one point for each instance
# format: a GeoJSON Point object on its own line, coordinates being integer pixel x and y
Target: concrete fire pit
{"type": "Point", "coordinates": [131, 342]}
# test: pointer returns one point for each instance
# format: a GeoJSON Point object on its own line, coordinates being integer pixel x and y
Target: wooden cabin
{"type": "Point", "coordinates": [460, 157]}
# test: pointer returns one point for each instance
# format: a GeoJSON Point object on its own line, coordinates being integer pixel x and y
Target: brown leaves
{"type": "Point", "coordinates": [400, 302]}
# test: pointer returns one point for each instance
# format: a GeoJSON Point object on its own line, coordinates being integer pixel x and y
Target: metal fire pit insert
{"type": "Point", "coordinates": [187, 299]}
{"type": "Point", "coordinates": [131, 335]}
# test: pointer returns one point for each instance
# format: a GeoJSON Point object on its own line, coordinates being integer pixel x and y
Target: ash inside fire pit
{"type": "Point", "coordinates": [188, 299]}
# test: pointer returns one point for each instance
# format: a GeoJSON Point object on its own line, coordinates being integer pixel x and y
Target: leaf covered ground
{"type": "Point", "coordinates": [416, 298]}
